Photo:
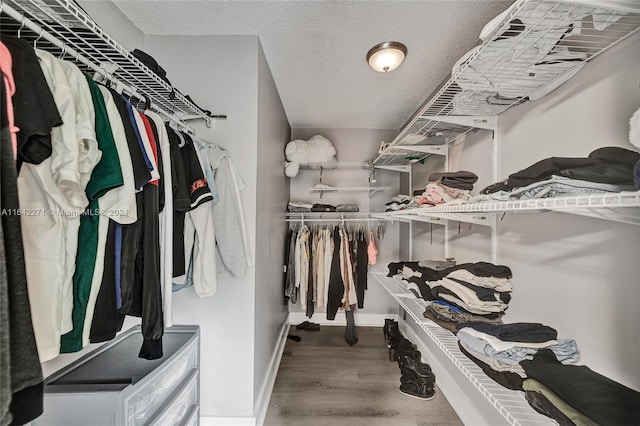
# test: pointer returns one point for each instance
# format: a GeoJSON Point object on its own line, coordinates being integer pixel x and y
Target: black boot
{"type": "Point", "coordinates": [417, 389]}
{"type": "Point", "coordinates": [397, 346]}
{"type": "Point", "coordinates": [412, 367]}
{"type": "Point", "coordinates": [387, 327]}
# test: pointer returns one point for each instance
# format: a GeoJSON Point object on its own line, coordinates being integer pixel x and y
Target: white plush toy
{"type": "Point", "coordinates": [318, 149]}
{"type": "Point", "coordinates": [634, 129]}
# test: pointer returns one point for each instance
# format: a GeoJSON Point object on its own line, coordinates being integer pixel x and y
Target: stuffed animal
{"type": "Point", "coordinates": [316, 150]}
{"type": "Point", "coordinates": [634, 129]}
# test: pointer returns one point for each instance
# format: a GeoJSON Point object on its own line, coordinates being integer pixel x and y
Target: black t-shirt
{"type": "Point", "coordinates": [199, 191]}
{"type": "Point", "coordinates": [35, 111]}
{"type": "Point", "coordinates": [141, 173]}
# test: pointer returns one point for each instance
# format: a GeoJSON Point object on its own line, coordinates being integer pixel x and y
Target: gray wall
{"type": "Point", "coordinates": [272, 197]}
{"type": "Point", "coordinates": [574, 273]}
{"type": "Point", "coordinates": [577, 274]}
{"type": "Point", "coordinates": [114, 23]}
{"type": "Point", "coordinates": [221, 74]}
{"type": "Point", "coordinates": [355, 145]}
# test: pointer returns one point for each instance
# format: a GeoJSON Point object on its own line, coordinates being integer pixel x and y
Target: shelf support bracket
{"type": "Point", "coordinates": [427, 149]}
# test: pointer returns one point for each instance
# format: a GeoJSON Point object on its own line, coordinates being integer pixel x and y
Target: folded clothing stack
{"type": "Point", "coordinates": [499, 348]}
{"type": "Point", "coordinates": [608, 169]}
{"type": "Point", "coordinates": [448, 188]}
{"type": "Point", "coordinates": [347, 208]}
{"type": "Point", "coordinates": [299, 207]}
{"type": "Point", "coordinates": [458, 294]}
{"type": "Point", "coordinates": [575, 394]}
{"type": "Point", "coordinates": [323, 208]}
{"type": "Point", "coordinates": [401, 202]}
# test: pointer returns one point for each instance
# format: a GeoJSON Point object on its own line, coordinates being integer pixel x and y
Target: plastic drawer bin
{"type": "Point", "coordinates": [112, 386]}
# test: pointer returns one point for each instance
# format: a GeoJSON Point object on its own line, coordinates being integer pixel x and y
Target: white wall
{"type": "Point", "coordinates": [272, 197]}
{"type": "Point", "coordinates": [221, 74]}
{"type": "Point", "coordinates": [355, 145]}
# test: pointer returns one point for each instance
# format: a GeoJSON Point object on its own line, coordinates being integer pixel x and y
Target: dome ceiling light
{"type": "Point", "coordinates": [386, 56]}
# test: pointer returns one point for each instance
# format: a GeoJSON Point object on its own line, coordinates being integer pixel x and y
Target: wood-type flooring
{"type": "Point", "coordinates": [322, 381]}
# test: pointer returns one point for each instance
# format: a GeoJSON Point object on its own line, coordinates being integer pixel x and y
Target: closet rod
{"type": "Point", "coordinates": [25, 22]}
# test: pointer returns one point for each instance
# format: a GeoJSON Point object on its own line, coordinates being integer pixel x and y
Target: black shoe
{"type": "Point", "coordinates": [394, 354]}
{"type": "Point", "coordinates": [387, 327]}
{"type": "Point", "coordinates": [398, 347]}
{"type": "Point", "coordinates": [312, 326]}
{"type": "Point", "coordinates": [392, 333]}
{"type": "Point", "coordinates": [417, 390]}
{"type": "Point", "coordinates": [412, 367]}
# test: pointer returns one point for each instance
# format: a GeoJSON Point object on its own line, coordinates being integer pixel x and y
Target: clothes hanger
{"type": "Point", "coordinates": [35, 42]}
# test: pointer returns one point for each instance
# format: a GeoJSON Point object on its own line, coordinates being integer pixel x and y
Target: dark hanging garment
{"type": "Point", "coordinates": [34, 108]}
{"type": "Point", "coordinates": [107, 320]}
{"type": "Point", "coordinates": [285, 267]}
{"type": "Point", "coordinates": [142, 295]}
{"type": "Point", "coordinates": [310, 301]}
{"type": "Point", "coordinates": [25, 371]}
{"type": "Point", "coordinates": [361, 269]}
{"type": "Point", "coordinates": [336, 285]}
{"type": "Point", "coordinates": [181, 202]}
{"type": "Point", "coordinates": [141, 173]}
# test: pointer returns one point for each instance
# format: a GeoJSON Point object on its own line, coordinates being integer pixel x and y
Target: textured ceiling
{"type": "Point", "coordinates": [316, 49]}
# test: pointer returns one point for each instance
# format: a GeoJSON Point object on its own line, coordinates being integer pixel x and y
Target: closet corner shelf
{"type": "Point", "coordinates": [505, 70]}
{"type": "Point", "coordinates": [332, 217]}
{"type": "Point", "coordinates": [617, 207]}
{"type": "Point", "coordinates": [67, 27]}
{"type": "Point", "coordinates": [510, 404]}
{"type": "Point", "coordinates": [334, 165]}
{"type": "Point", "coordinates": [372, 190]}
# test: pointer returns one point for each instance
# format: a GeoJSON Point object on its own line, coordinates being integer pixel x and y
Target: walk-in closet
{"type": "Point", "coordinates": [319, 212]}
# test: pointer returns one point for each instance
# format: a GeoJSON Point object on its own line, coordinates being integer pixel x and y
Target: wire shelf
{"type": "Point", "coordinates": [528, 51]}
{"type": "Point", "coordinates": [510, 404]}
{"type": "Point", "coordinates": [70, 30]}
{"type": "Point", "coordinates": [618, 207]}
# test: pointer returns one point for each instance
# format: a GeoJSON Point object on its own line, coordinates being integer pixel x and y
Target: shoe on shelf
{"type": "Point", "coordinates": [418, 391]}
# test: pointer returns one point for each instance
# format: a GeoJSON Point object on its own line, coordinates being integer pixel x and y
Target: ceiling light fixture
{"type": "Point", "coordinates": [386, 56]}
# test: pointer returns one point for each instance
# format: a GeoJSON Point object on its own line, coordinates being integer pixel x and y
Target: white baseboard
{"type": "Point", "coordinates": [227, 421]}
{"type": "Point", "coordinates": [363, 320]}
{"type": "Point", "coordinates": [261, 404]}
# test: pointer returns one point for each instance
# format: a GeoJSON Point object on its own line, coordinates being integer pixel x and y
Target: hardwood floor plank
{"type": "Point", "coordinates": [324, 381]}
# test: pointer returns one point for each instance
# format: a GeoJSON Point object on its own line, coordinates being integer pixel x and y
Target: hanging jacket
{"type": "Point", "coordinates": [228, 215]}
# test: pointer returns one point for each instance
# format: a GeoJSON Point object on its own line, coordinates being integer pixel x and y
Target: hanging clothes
{"type": "Point", "coordinates": [21, 378]}
{"type": "Point", "coordinates": [57, 186]}
{"type": "Point", "coordinates": [232, 238]}
{"type": "Point", "coordinates": [106, 175]}
{"type": "Point", "coordinates": [199, 230]}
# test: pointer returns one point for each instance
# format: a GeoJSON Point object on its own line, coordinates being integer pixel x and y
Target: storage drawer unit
{"type": "Point", "coordinates": [112, 386]}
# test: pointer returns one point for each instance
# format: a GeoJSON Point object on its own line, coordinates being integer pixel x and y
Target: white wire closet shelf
{"type": "Point", "coordinates": [63, 26]}
{"type": "Point", "coordinates": [526, 52]}
{"type": "Point", "coordinates": [334, 165]}
{"type": "Point", "coordinates": [618, 207]}
{"type": "Point", "coordinates": [334, 217]}
{"type": "Point", "coordinates": [510, 404]}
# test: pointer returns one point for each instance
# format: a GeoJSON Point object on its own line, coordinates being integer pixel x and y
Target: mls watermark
{"type": "Point", "coordinates": [65, 212]}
